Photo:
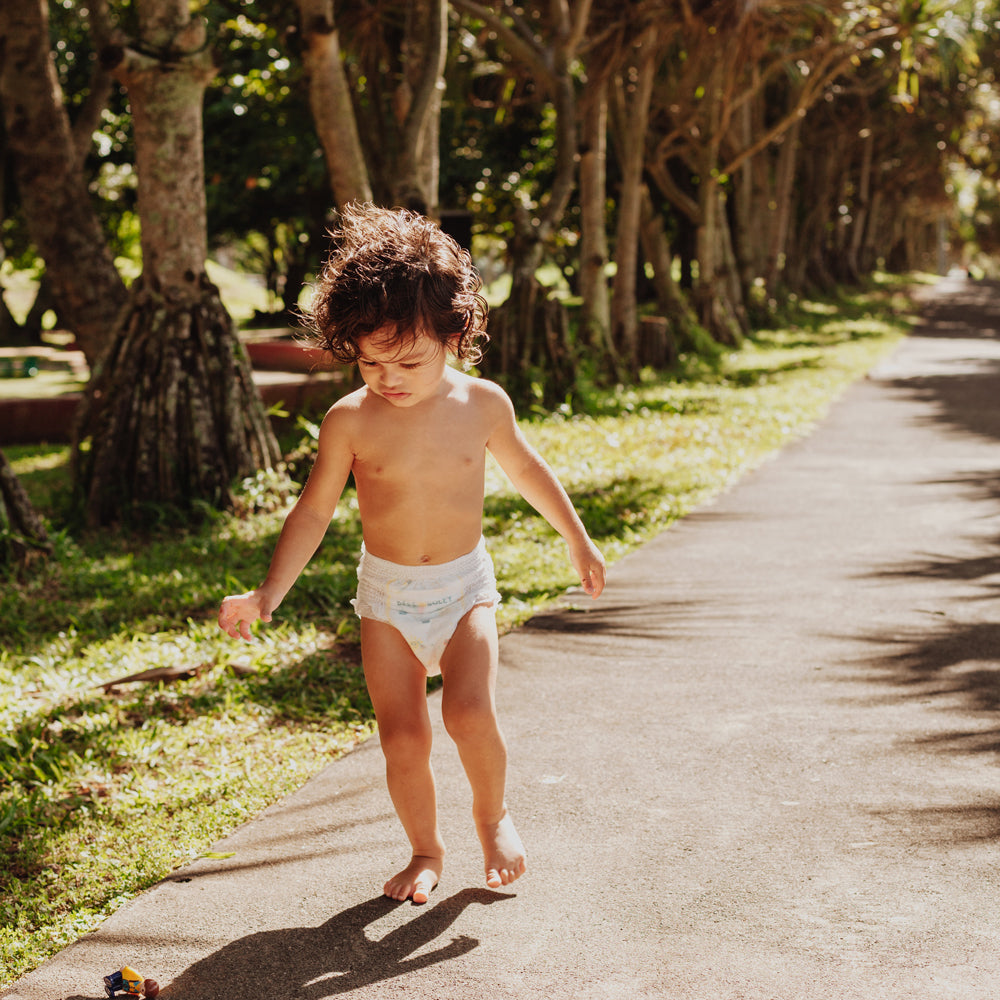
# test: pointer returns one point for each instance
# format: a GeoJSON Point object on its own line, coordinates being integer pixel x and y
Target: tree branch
{"type": "Point", "coordinates": [436, 54]}
{"type": "Point", "coordinates": [525, 50]}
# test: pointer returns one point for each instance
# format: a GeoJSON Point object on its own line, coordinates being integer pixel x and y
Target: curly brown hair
{"type": "Point", "coordinates": [394, 268]}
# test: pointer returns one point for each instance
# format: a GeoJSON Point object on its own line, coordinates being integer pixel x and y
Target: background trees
{"type": "Point", "coordinates": [646, 177]}
{"type": "Point", "coordinates": [171, 415]}
{"type": "Point", "coordinates": [46, 160]}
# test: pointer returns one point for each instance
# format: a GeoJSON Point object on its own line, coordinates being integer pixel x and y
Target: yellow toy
{"type": "Point", "coordinates": [130, 984]}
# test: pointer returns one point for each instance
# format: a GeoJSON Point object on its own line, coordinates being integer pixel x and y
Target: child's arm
{"type": "Point", "coordinates": [534, 479]}
{"type": "Point", "coordinates": [301, 533]}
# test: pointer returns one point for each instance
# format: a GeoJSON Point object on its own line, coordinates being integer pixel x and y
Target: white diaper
{"type": "Point", "coordinates": [425, 603]}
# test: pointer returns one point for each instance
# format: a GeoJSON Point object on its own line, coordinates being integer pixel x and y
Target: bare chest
{"type": "Point", "coordinates": [423, 456]}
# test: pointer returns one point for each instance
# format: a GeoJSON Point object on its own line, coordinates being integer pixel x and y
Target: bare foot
{"type": "Point", "coordinates": [416, 880]}
{"type": "Point", "coordinates": [502, 851]}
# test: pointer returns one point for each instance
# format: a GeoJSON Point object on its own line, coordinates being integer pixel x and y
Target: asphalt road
{"type": "Point", "coordinates": [762, 766]}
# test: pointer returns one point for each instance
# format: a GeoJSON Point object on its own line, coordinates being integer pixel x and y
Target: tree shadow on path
{"type": "Point", "coordinates": [953, 661]}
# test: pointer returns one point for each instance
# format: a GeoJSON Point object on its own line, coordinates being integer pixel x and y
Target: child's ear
{"type": "Point", "coordinates": [453, 343]}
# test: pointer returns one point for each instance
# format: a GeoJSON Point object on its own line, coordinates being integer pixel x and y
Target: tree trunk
{"type": "Point", "coordinates": [552, 60]}
{"type": "Point", "coordinates": [862, 203]}
{"type": "Point", "coordinates": [57, 205]}
{"type": "Point", "coordinates": [749, 201]}
{"type": "Point", "coordinates": [512, 350]}
{"type": "Point", "coordinates": [717, 311]}
{"type": "Point", "coordinates": [670, 299]}
{"type": "Point", "coordinates": [10, 329]}
{"type": "Point", "coordinates": [631, 117]}
{"type": "Point", "coordinates": [819, 197]}
{"type": "Point", "coordinates": [595, 314]}
{"type": "Point", "coordinates": [531, 354]}
{"type": "Point", "coordinates": [872, 241]}
{"type": "Point", "coordinates": [418, 106]}
{"type": "Point", "coordinates": [165, 98]}
{"type": "Point", "coordinates": [171, 415]}
{"type": "Point", "coordinates": [784, 189]}
{"type": "Point", "coordinates": [24, 533]}
{"type": "Point", "coordinates": [330, 100]}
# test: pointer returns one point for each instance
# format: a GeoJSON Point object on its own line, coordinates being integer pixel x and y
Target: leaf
{"type": "Point", "coordinates": [218, 855]}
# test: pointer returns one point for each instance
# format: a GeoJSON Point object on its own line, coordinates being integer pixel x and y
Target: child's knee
{"type": "Point", "coordinates": [469, 720]}
{"type": "Point", "coordinates": [408, 739]}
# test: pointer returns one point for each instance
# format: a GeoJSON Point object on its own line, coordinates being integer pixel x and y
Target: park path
{"type": "Point", "coordinates": [762, 766]}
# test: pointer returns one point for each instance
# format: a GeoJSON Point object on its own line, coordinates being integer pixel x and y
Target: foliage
{"type": "Point", "coordinates": [109, 161]}
{"type": "Point", "coordinates": [499, 148]}
{"type": "Point", "coordinates": [267, 192]}
{"type": "Point", "coordinates": [84, 767]}
{"type": "Point", "coordinates": [920, 75]}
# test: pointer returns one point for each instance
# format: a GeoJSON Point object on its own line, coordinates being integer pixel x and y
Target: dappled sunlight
{"type": "Point", "coordinates": [216, 729]}
{"type": "Point", "coordinates": [86, 768]}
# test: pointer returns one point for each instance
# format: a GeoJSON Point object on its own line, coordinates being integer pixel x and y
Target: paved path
{"type": "Point", "coordinates": [762, 766]}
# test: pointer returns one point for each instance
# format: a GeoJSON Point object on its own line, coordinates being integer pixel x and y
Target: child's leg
{"type": "Point", "coordinates": [397, 684]}
{"type": "Point", "coordinates": [469, 669]}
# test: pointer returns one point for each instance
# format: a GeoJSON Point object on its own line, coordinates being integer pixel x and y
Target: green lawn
{"type": "Point", "coordinates": [104, 791]}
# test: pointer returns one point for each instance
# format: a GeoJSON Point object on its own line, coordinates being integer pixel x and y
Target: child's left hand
{"type": "Point", "coordinates": [589, 563]}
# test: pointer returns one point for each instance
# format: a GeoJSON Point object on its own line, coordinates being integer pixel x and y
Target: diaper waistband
{"type": "Point", "coordinates": [377, 569]}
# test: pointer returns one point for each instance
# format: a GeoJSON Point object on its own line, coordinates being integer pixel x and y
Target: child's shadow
{"type": "Point", "coordinates": [336, 957]}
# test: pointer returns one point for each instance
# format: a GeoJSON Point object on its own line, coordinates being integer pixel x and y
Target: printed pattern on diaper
{"type": "Point", "coordinates": [425, 603]}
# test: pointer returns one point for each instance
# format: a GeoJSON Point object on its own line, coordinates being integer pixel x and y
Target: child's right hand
{"type": "Point", "coordinates": [239, 612]}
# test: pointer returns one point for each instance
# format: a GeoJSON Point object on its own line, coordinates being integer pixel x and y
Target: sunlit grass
{"type": "Point", "coordinates": [105, 791]}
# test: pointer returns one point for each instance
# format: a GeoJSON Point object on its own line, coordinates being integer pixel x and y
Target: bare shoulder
{"type": "Point", "coordinates": [352, 402]}
{"type": "Point", "coordinates": [348, 407]}
{"type": "Point", "coordinates": [485, 396]}
{"type": "Point", "coordinates": [343, 418]}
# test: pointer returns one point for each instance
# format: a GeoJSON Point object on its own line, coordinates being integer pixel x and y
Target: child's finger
{"type": "Point", "coordinates": [594, 583]}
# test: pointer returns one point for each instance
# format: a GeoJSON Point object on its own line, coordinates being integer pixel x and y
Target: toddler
{"type": "Point", "coordinates": [399, 298]}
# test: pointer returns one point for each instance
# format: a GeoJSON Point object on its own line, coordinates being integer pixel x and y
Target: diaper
{"type": "Point", "coordinates": [425, 603]}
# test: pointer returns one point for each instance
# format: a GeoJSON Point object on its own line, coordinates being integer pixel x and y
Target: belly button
{"type": "Point", "coordinates": [425, 559]}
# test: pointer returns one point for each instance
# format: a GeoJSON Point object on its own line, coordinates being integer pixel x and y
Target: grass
{"type": "Point", "coordinates": [105, 790]}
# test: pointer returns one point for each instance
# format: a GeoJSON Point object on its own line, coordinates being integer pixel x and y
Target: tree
{"type": "Point", "coordinates": [395, 54]}
{"type": "Point", "coordinates": [530, 327]}
{"type": "Point", "coordinates": [595, 302]}
{"type": "Point", "coordinates": [375, 81]}
{"type": "Point", "coordinates": [710, 123]}
{"type": "Point", "coordinates": [786, 144]}
{"type": "Point", "coordinates": [87, 289]}
{"type": "Point", "coordinates": [619, 60]}
{"type": "Point", "coordinates": [330, 100]}
{"type": "Point", "coordinates": [268, 190]}
{"type": "Point", "coordinates": [632, 95]}
{"type": "Point", "coordinates": [872, 162]}
{"type": "Point", "coordinates": [172, 415]}
{"type": "Point", "coordinates": [21, 529]}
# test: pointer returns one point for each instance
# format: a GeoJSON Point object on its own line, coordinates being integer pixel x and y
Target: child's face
{"type": "Point", "coordinates": [403, 375]}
